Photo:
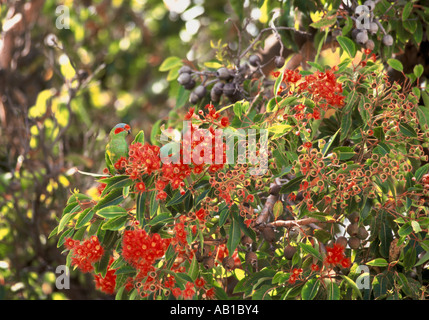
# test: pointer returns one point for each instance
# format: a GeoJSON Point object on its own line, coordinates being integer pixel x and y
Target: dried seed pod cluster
{"type": "Point", "coordinates": [357, 233]}
{"type": "Point", "coordinates": [363, 36]}
{"type": "Point", "coordinates": [224, 82]}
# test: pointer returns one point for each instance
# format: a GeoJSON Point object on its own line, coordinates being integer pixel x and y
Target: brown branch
{"type": "Point", "coordinates": [269, 204]}
{"type": "Point", "coordinates": [292, 223]}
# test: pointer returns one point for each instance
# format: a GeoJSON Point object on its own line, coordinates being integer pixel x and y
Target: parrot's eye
{"type": "Point", "coordinates": [117, 130]}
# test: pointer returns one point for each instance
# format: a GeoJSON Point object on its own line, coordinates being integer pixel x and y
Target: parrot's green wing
{"type": "Point", "coordinates": [117, 147]}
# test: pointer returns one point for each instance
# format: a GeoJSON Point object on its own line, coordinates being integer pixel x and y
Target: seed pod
{"type": "Point", "coordinates": [269, 234]}
{"type": "Point", "coordinates": [190, 85]}
{"type": "Point", "coordinates": [228, 263]}
{"type": "Point", "coordinates": [223, 73]}
{"type": "Point", "coordinates": [229, 89]}
{"type": "Point", "coordinates": [208, 262]}
{"type": "Point", "coordinates": [388, 40]}
{"type": "Point", "coordinates": [362, 233]}
{"type": "Point", "coordinates": [289, 251]}
{"type": "Point", "coordinates": [193, 98]}
{"type": "Point", "coordinates": [254, 60]}
{"type": "Point", "coordinates": [218, 88]}
{"type": "Point", "coordinates": [184, 78]}
{"type": "Point", "coordinates": [373, 27]}
{"type": "Point", "coordinates": [341, 241]}
{"type": "Point", "coordinates": [185, 69]}
{"type": "Point", "coordinates": [370, 45]}
{"type": "Point", "coordinates": [251, 258]}
{"type": "Point", "coordinates": [246, 241]}
{"type": "Point", "coordinates": [279, 61]}
{"type": "Point", "coordinates": [362, 37]}
{"type": "Point", "coordinates": [353, 217]}
{"type": "Point", "coordinates": [352, 229]}
{"type": "Point", "coordinates": [244, 68]}
{"type": "Point", "coordinates": [354, 243]}
{"type": "Point", "coordinates": [355, 32]}
{"type": "Point", "coordinates": [200, 91]}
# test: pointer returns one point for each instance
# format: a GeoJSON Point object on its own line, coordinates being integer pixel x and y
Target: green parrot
{"type": "Point", "coordinates": [117, 146]}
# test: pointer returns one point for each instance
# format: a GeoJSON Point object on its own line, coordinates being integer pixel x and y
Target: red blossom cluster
{"type": "Point", "coordinates": [295, 275]}
{"type": "Point", "coordinates": [107, 283]}
{"type": "Point", "coordinates": [85, 253]}
{"type": "Point", "coordinates": [425, 180]}
{"type": "Point", "coordinates": [323, 86]}
{"type": "Point", "coordinates": [141, 249]}
{"type": "Point", "coordinates": [335, 256]}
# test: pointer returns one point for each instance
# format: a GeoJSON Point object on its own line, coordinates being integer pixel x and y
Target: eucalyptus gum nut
{"type": "Point", "coordinates": [355, 32]}
{"type": "Point", "coordinates": [289, 251]}
{"type": "Point", "coordinates": [254, 60]}
{"type": "Point", "coordinates": [218, 88]}
{"type": "Point", "coordinates": [208, 262]}
{"type": "Point", "coordinates": [184, 78]}
{"type": "Point", "coordinates": [352, 229]}
{"type": "Point", "coordinates": [362, 37]}
{"type": "Point", "coordinates": [246, 241]}
{"type": "Point", "coordinates": [251, 258]}
{"type": "Point", "coordinates": [362, 233]}
{"type": "Point", "coordinates": [190, 85]}
{"type": "Point", "coordinates": [279, 61]}
{"type": "Point", "coordinates": [228, 263]}
{"type": "Point", "coordinates": [193, 98]}
{"type": "Point", "coordinates": [200, 91]}
{"type": "Point", "coordinates": [354, 243]}
{"type": "Point", "coordinates": [185, 69]}
{"type": "Point", "coordinates": [342, 241]}
{"type": "Point", "coordinates": [229, 89]}
{"type": "Point", "coordinates": [269, 234]}
{"type": "Point", "coordinates": [388, 40]}
{"type": "Point", "coordinates": [353, 217]}
{"type": "Point", "coordinates": [370, 45]}
{"type": "Point", "coordinates": [373, 27]}
{"type": "Point", "coordinates": [223, 73]}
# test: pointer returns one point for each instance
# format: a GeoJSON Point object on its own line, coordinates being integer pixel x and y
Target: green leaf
{"type": "Point", "coordinates": [407, 130]}
{"type": "Point", "coordinates": [407, 10]}
{"type": "Point", "coordinates": [161, 218]}
{"type": "Point", "coordinates": [115, 182]}
{"type": "Point", "coordinates": [324, 22]}
{"type": "Point", "coordinates": [112, 198]}
{"type": "Point", "coordinates": [420, 172]}
{"type": "Point", "coordinates": [292, 185]}
{"type": "Point", "coordinates": [378, 262]}
{"type": "Point", "coordinates": [84, 217]}
{"type": "Point", "coordinates": [139, 137]}
{"type": "Point", "coordinates": [395, 64]}
{"type": "Point", "coordinates": [193, 269]}
{"type": "Point", "coordinates": [170, 63]}
{"type": "Point", "coordinates": [279, 130]}
{"type": "Point", "coordinates": [234, 236]}
{"type": "Point", "coordinates": [329, 143]}
{"type": "Point", "coordinates": [115, 223]}
{"type": "Point", "coordinates": [310, 250]}
{"type": "Point", "coordinates": [347, 45]}
{"type": "Point", "coordinates": [277, 209]}
{"type": "Point", "coordinates": [64, 221]}
{"type": "Point", "coordinates": [418, 70]}
{"type": "Point", "coordinates": [352, 285]}
{"type": "Point", "coordinates": [140, 207]}
{"type": "Point", "coordinates": [333, 290]}
{"type": "Point", "coordinates": [423, 259]}
{"type": "Point", "coordinates": [310, 289]}
{"type": "Point", "coordinates": [111, 212]}
{"type": "Point", "coordinates": [405, 230]}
